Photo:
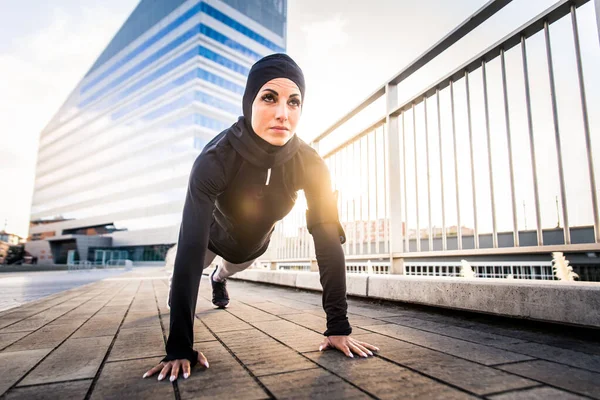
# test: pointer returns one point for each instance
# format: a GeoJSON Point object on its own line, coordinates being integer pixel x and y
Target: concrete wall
{"type": "Point", "coordinates": [576, 303]}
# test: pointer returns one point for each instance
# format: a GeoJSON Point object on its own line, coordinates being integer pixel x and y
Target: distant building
{"type": "Point", "coordinates": [114, 161]}
{"type": "Point", "coordinates": [6, 241]}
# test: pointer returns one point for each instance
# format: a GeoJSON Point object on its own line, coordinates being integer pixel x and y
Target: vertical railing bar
{"type": "Point", "coordinates": [597, 3]}
{"type": "Point", "coordinates": [297, 236]}
{"type": "Point", "coordinates": [563, 191]}
{"type": "Point", "coordinates": [475, 227]}
{"type": "Point", "coordinates": [370, 250]}
{"type": "Point", "coordinates": [342, 194]}
{"type": "Point", "coordinates": [378, 244]}
{"type": "Point", "coordinates": [490, 161]}
{"type": "Point", "coordinates": [386, 201]}
{"type": "Point", "coordinates": [354, 163]}
{"type": "Point", "coordinates": [456, 182]}
{"type": "Point", "coordinates": [360, 191]}
{"type": "Point", "coordinates": [536, 190]}
{"type": "Point", "coordinates": [444, 240]}
{"type": "Point", "coordinates": [429, 229]}
{"type": "Point", "coordinates": [510, 152]}
{"type": "Point", "coordinates": [406, 235]}
{"type": "Point", "coordinates": [586, 125]}
{"type": "Point", "coordinates": [416, 177]}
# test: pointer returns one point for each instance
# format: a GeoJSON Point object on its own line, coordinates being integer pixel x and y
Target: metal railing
{"type": "Point", "coordinates": [424, 179]}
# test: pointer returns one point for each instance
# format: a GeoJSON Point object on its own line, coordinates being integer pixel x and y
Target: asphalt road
{"type": "Point", "coordinates": [17, 288]}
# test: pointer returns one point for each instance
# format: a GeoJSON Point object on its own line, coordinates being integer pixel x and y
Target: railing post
{"type": "Point", "coordinates": [393, 176]}
{"type": "Point", "coordinates": [597, 3]}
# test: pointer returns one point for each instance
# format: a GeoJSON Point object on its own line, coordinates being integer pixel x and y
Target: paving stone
{"type": "Point", "coordinates": [551, 353]}
{"type": "Point", "coordinates": [359, 321]}
{"type": "Point", "coordinates": [47, 337]}
{"type": "Point", "coordinates": [538, 393]}
{"type": "Point", "coordinates": [31, 323]}
{"type": "Point", "coordinates": [311, 384]}
{"type": "Point", "coordinates": [137, 343]}
{"type": "Point", "coordinates": [84, 312]}
{"type": "Point", "coordinates": [8, 320]}
{"type": "Point", "coordinates": [113, 310]}
{"type": "Point", "coordinates": [55, 391]}
{"type": "Point", "coordinates": [138, 320]}
{"type": "Point", "coordinates": [123, 380]}
{"type": "Point", "coordinates": [201, 333]}
{"type": "Point", "coordinates": [222, 321]}
{"type": "Point", "coordinates": [224, 372]}
{"type": "Point", "coordinates": [276, 309]}
{"type": "Point", "coordinates": [453, 331]}
{"type": "Point", "coordinates": [101, 325]}
{"type": "Point", "coordinates": [6, 339]}
{"type": "Point", "coordinates": [384, 379]}
{"type": "Point", "coordinates": [467, 375]}
{"type": "Point", "coordinates": [74, 359]}
{"type": "Point", "coordinates": [562, 376]}
{"type": "Point", "coordinates": [248, 313]}
{"type": "Point", "coordinates": [309, 321]}
{"type": "Point", "coordinates": [263, 355]}
{"type": "Point", "coordinates": [297, 337]}
{"type": "Point", "coordinates": [16, 364]}
{"type": "Point", "coordinates": [316, 323]}
{"type": "Point", "coordinates": [471, 351]}
{"type": "Point", "coordinates": [371, 311]}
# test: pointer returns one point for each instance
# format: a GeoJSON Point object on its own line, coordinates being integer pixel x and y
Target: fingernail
{"type": "Point", "coordinates": [365, 355]}
{"type": "Point", "coordinates": [370, 353]}
{"type": "Point", "coordinates": [173, 377]}
{"type": "Point", "coordinates": [160, 377]}
{"type": "Point", "coordinates": [377, 348]}
{"type": "Point", "coordinates": [351, 355]}
{"type": "Point", "coordinates": [145, 375]}
{"type": "Point", "coordinates": [186, 375]}
{"type": "Point", "coordinates": [320, 348]}
{"type": "Point", "coordinates": [206, 364]}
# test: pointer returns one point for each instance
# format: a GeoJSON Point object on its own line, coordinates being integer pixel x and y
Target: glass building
{"type": "Point", "coordinates": [114, 161]}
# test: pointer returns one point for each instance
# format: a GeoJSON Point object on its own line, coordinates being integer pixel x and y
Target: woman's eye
{"type": "Point", "coordinates": [295, 103]}
{"type": "Point", "coordinates": [268, 98]}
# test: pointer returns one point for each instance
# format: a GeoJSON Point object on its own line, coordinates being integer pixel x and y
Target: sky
{"type": "Point", "coordinates": [345, 51]}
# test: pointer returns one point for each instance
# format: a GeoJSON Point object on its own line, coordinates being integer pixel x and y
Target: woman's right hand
{"type": "Point", "coordinates": [174, 367]}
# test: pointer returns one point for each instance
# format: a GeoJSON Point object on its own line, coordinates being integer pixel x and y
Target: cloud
{"type": "Point", "coordinates": [37, 76]}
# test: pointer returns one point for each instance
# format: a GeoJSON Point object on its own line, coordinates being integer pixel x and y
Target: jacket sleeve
{"type": "Point", "coordinates": [324, 225]}
{"type": "Point", "coordinates": [207, 180]}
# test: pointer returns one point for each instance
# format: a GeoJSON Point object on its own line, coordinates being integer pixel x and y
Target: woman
{"type": "Point", "coordinates": [244, 181]}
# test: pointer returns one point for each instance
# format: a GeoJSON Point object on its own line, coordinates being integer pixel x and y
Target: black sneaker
{"type": "Point", "coordinates": [220, 296]}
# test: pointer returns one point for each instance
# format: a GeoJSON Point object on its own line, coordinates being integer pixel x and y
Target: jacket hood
{"type": "Point", "coordinates": [241, 140]}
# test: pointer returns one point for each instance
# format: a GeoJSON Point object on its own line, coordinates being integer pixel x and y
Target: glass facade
{"type": "Point", "coordinates": [119, 151]}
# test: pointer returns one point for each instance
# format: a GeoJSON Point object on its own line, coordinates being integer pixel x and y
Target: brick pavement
{"type": "Point", "coordinates": [96, 342]}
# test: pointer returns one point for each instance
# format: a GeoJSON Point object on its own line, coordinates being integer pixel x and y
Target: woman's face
{"type": "Point", "coordinates": [276, 111]}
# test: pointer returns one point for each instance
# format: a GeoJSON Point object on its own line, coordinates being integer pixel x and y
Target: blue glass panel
{"type": "Point", "coordinates": [227, 20]}
{"type": "Point", "coordinates": [188, 55]}
{"type": "Point", "coordinates": [111, 49]}
{"type": "Point", "coordinates": [217, 80]}
{"type": "Point", "coordinates": [154, 94]}
{"type": "Point", "coordinates": [204, 52]}
{"type": "Point", "coordinates": [175, 24]}
{"type": "Point", "coordinates": [166, 108]}
{"type": "Point", "coordinates": [219, 59]}
{"type": "Point", "coordinates": [217, 103]}
{"type": "Point", "coordinates": [210, 123]}
{"type": "Point", "coordinates": [199, 143]}
{"type": "Point", "coordinates": [232, 44]}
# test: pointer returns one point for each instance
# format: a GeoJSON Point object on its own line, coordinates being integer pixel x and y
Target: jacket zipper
{"type": "Point", "coordinates": [268, 177]}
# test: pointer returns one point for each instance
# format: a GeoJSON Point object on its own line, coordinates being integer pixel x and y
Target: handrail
{"type": "Point", "coordinates": [467, 26]}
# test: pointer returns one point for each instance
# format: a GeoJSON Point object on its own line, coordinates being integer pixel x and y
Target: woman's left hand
{"type": "Point", "coordinates": [348, 345]}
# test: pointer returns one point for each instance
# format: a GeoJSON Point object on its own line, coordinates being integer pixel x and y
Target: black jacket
{"type": "Point", "coordinates": [239, 187]}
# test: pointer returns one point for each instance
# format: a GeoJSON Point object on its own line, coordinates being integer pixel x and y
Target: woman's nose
{"type": "Point", "coordinates": [281, 112]}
